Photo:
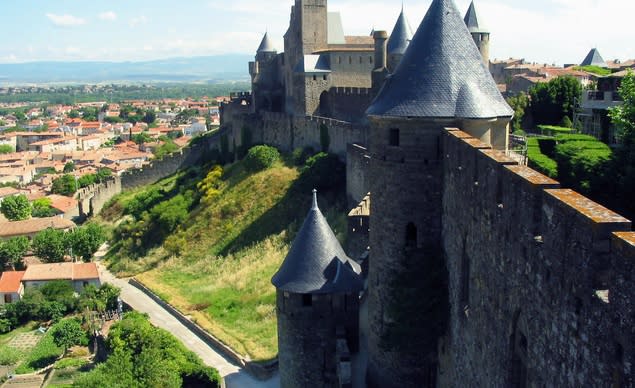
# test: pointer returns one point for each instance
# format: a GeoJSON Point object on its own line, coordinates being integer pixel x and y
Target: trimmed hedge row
{"type": "Point", "coordinates": [538, 160]}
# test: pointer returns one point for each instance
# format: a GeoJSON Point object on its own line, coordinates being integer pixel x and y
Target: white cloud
{"type": "Point", "coordinates": [138, 20]}
{"type": "Point", "coordinates": [108, 16]}
{"type": "Point", "coordinates": [72, 50]}
{"type": "Point", "coordinates": [65, 20]}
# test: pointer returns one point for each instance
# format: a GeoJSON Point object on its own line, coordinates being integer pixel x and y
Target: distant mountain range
{"type": "Point", "coordinates": [210, 69]}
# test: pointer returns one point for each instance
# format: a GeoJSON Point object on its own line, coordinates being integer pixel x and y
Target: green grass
{"type": "Point", "coordinates": [594, 69]}
{"type": "Point", "coordinates": [43, 354]}
{"type": "Point", "coordinates": [230, 248]}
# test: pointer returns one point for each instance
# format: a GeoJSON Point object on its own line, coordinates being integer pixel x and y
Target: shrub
{"type": "Point", "coordinates": [583, 164]}
{"type": "Point", "coordinates": [9, 355]}
{"type": "Point", "coordinates": [261, 157]}
{"type": "Point", "coordinates": [539, 161]}
{"type": "Point", "coordinates": [552, 130]}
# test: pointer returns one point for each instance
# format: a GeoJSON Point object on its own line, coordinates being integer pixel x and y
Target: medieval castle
{"type": "Point", "coordinates": [479, 272]}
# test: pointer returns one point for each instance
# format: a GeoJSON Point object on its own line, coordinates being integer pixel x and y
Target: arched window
{"type": "Point", "coordinates": [411, 235]}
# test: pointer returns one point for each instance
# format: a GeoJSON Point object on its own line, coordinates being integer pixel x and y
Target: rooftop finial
{"type": "Point", "coordinates": [315, 205]}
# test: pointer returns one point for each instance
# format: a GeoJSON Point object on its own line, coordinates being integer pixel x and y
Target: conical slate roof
{"type": "Point", "coordinates": [400, 36]}
{"type": "Point", "coordinates": [472, 20]}
{"type": "Point", "coordinates": [266, 46]}
{"type": "Point", "coordinates": [441, 75]}
{"type": "Point", "coordinates": [594, 58]}
{"type": "Point", "coordinates": [316, 262]}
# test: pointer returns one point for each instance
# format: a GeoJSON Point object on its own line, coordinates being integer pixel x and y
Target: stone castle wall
{"type": "Point", "coordinates": [91, 199]}
{"type": "Point", "coordinates": [540, 278]}
{"type": "Point", "coordinates": [357, 161]}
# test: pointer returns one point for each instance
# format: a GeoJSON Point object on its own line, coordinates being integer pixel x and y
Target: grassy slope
{"type": "Point", "coordinates": [233, 247]}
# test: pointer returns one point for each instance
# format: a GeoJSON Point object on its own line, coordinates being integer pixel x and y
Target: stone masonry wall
{"type": "Point", "coordinates": [541, 279]}
{"type": "Point", "coordinates": [357, 161]}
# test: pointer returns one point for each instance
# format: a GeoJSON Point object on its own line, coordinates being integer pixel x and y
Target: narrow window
{"type": "Point", "coordinates": [361, 60]}
{"type": "Point", "coordinates": [339, 60]}
{"type": "Point", "coordinates": [393, 137]}
{"type": "Point", "coordinates": [314, 77]}
{"type": "Point", "coordinates": [411, 235]}
{"type": "Point", "coordinates": [519, 362]}
{"type": "Point", "coordinates": [370, 60]}
{"type": "Point", "coordinates": [350, 60]}
{"type": "Point", "coordinates": [7, 298]}
{"type": "Point", "coordinates": [324, 77]}
{"type": "Point", "coordinates": [618, 367]}
{"type": "Point", "coordinates": [307, 300]}
{"type": "Point", "coordinates": [465, 283]}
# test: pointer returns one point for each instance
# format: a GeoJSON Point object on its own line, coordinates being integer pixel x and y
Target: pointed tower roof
{"type": "Point", "coordinates": [266, 46]}
{"type": "Point", "coordinates": [400, 36]}
{"type": "Point", "coordinates": [594, 58]}
{"type": "Point", "coordinates": [472, 20]}
{"type": "Point", "coordinates": [316, 262]}
{"type": "Point", "coordinates": [441, 75]}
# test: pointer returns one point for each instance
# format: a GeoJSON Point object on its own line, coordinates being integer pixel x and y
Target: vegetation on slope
{"type": "Point", "coordinates": [216, 263]}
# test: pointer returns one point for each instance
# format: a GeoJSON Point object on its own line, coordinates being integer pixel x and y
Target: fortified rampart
{"type": "Point", "coordinates": [92, 198]}
{"type": "Point", "coordinates": [288, 132]}
{"type": "Point", "coordinates": [540, 278]}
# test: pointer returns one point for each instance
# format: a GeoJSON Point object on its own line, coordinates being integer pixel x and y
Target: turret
{"type": "Point", "coordinates": [265, 86]}
{"type": "Point", "coordinates": [380, 71]}
{"type": "Point", "coordinates": [479, 33]}
{"type": "Point", "coordinates": [317, 305]}
{"type": "Point", "coordinates": [398, 42]}
{"type": "Point", "coordinates": [440, 82]}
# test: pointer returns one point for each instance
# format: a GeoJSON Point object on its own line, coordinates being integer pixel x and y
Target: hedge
{"type": "Point", "coordinates": [539, 161]}
{"type": "Point", "coordinates": [550, 130]}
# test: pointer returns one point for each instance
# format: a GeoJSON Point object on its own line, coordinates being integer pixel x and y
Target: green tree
{"type": "Point", "coordinates": [261, 157]}
{"type": "Point", "coordinates": [86, 240]}
{"type": "Point", "coordinates": [6, 149]}
{"type": "Point", "coordinates": [141, 138]}
{"type": "Point", "coordinates": [65, 185]}
{"type": "Point", "coordinates": [149, 117]}
{"type": "Point", "coordinates": [60, 291]}
{"type": "Point", "coordinates": [16, 207]}
{"type": "Point", "coordinates": [50, 245]}
{"type": "Point", "coordinates": [69, 167]}
{"type": "Point", "coordinates": [12, 251]}
{"type": "Point", "coordinates": [519, 104]}
{"type": "Point", "coordinates": [623, 117]}
{"type": "Point", "coordinates": [73, 114]}
{"type": "Point", "coordinates": [553, 100]}
{"type": "Point", "coordinates": [41, 207]}
{"type": "Point", "coordinates": [67, 333]}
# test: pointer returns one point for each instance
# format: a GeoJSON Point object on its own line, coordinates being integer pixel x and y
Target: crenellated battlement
{"type": "Point", "coordinates": [524, 252]}
{"type": "Point", "coordinates": [351, 91]}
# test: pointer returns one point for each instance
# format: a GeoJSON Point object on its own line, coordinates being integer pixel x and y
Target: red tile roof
{"type": "Point", "coordinates": [61, 271]}
{"type": "Point", "coordinates": [10, 281]}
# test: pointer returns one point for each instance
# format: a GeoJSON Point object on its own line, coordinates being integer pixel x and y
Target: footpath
{"type": "Point", "coordinates": [234, 375]}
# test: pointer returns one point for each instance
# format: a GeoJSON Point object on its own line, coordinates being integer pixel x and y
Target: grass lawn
{"type": "Point", "coordinates": [230, 247]}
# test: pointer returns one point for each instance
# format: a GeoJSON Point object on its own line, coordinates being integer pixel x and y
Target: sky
{"type": "Point", "coordinates": [542, 31]}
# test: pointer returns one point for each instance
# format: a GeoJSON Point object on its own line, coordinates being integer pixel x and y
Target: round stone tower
{"type": "Point", "coordinates": [479, 33]}
{"type": "Point", "coordinates": [440, 82]}
{"type": "Point", "coordinates": [317, 303]}
{"type": "Point", "coordinates": [267, 93]}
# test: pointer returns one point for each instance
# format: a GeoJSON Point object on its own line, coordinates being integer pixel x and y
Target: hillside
{"type": "Point", "coordinates": [220, 67]}
{"type": "Point", "coordinates": [217, 263]}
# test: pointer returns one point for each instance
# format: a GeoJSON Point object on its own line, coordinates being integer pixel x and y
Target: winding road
{"type": "Point", "coordinates": [234, 375]}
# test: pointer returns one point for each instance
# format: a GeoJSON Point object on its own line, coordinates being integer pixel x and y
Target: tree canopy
{"type": "Point", "coordinates": [16, 207]}
{"type": "Point", "coordinates": [64, 185]}
{"type": "Point", "coordinates": [50, 245]}
{"type": "Point", "coordinates": [12, 251]}
{"type": "Point", "coordinates": [553, 100]}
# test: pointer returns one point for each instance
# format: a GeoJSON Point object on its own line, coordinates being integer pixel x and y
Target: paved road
{"type": "Point", "coordinates": [235, 376]}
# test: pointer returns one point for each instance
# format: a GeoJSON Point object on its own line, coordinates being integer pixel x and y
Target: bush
{"type": "Point", "coordinates": [539, 161]}
{"type": "Point", "coordinates": [9, 355]}
{"type": "Point", "coordinates": [552, 130]}
{"type": "Point", "coordinates": [261, 157]}
{"type": "Point", "coordinates": [300, 155]}
{"type": "Point", "coordinates": [322, 171]}
{"type": "Point", "coordinates": [583, 164]}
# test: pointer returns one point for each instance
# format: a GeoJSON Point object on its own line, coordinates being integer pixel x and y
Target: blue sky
{"type": "Point", "coordinates": [544, 31]}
